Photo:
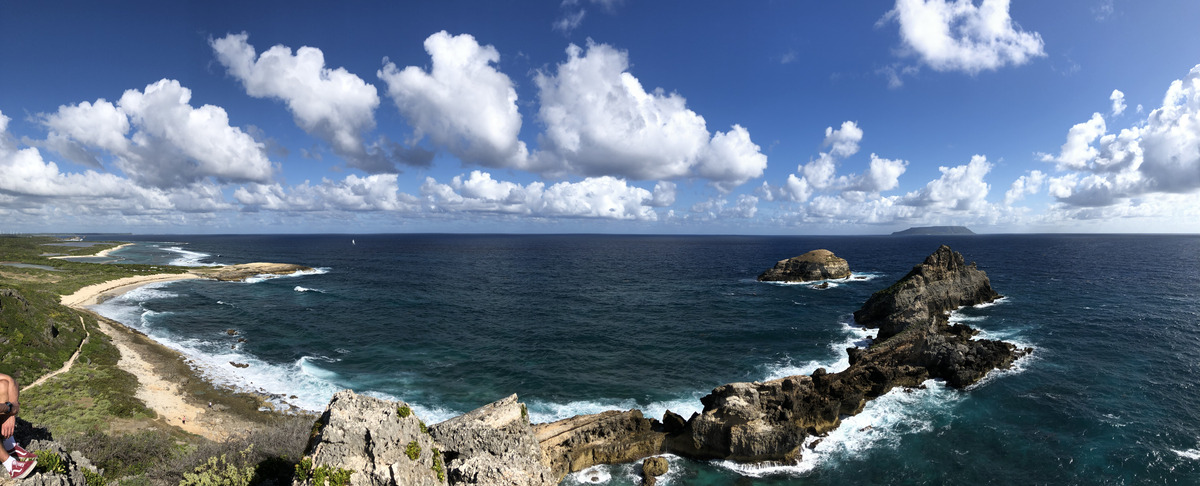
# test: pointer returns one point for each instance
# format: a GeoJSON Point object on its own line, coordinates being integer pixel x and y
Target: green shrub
{"type": "Point", "coordinates": [403, 411]}
{"type": "Point", "coordinates": [49, 462]}
{"type": "Point", "coordinates": [93, 478]}
{"type": "Point", "coordinates": [304, 469]}
{"type": "Point", "coordinates": [437, 465]}
{"type": "Point", "coordinates": [413, 450]}
{"type": "Point", "coordinates": [424, 429]}
{"type": "Point", "coordinates": [218, 471]}
{"type": "Point", "coordinates": [524, 413]}
{"type": "Point", "coordinates": [322, 475]}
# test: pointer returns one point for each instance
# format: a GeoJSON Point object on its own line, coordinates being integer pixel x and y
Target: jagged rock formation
{"type": "Point", "coordinates": [814, 265]}
{"type": "Point", "coordinates": [943, 282]}
{"type": "Point", "coordinates": [385, 443]}
{"type": "Point", "coordinates": [755, 422]}
{"type": "Point", "coordinates": [611, 437]}
{"type": "Point", "coordinates": [493, 445]}
{"type": "Point", "coordinates": [382, 442]}
{"type": "Point", "coordinates": [746, 422]}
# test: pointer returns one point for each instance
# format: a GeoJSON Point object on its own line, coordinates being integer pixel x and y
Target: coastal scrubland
{"type": "Point", "coordinates": [93, 406]}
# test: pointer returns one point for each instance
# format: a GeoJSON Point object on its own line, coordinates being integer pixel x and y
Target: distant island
{"type": "Point", "coordinates": [935, 230]}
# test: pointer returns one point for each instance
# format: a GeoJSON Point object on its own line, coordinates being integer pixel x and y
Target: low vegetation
{"type": "Point", "coordinates": [93, 407]}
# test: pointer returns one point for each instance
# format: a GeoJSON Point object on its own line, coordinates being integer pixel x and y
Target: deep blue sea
{"type": "Point", "coordinates": [584, 323]}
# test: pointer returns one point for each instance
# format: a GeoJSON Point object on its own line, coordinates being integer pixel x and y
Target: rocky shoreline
{"type": "Point", "coordinates": [746, 422]}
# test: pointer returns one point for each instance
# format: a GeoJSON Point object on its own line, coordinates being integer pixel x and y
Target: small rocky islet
{"type": "Point", "coordinates": [385, 443]}
{"type": "Point", "coordinates": [811, 266]}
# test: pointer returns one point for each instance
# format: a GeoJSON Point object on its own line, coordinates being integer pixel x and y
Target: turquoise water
{"type": "Point", "coordinates": [584, 323]}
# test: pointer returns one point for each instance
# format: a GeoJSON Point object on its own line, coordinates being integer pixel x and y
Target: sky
{"type": "Point", "coordinates": [600, 116]}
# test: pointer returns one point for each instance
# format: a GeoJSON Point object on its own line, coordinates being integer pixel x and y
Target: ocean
{"type": "Point", "coordinates": [579, 324]}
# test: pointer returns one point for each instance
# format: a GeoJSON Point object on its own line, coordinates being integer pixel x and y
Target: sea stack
{"type": "Point", "coordinates": [814, 265]}
{"type": "Point", "coordinates": [768, 421]}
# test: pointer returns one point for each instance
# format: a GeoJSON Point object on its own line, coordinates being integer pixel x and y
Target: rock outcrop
{"type": "Point", "coordinates": [385, 443]}
{"type": "Point", "coordinates": [814, 265]}
{"type": "Point", "coordinates": [611, 437]}
{"type": "Point", "coordinates": [756, 422]}
{"type": "Point", "coordinates": [652, 468]}
{"type": "Point", "coordinates": [243, 271]}
{"type": "Point", "coordinates": [745, 422]}
{"type": "Point", "coordinates": [70, 469]}
{"type": "Point", "coordinates": [493, 445]}
{"type": "Point", "coordinates": [943, 282]}
{"type": "Point", "coordinates": [380, 442]}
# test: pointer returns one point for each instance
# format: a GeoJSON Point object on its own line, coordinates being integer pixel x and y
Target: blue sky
{"type": "Point", "coordinates": [600, 116]}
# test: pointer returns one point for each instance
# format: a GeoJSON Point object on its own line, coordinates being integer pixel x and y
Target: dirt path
{"type": "Point", "coordinates": [68, 364]}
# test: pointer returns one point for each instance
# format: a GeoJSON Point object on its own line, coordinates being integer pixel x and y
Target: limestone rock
{"type": "Point", "coordinates": [73, 465]}
{"type": "Point", "coordinates": [373, 438]}
{"type": "Point", "coordinates": [493, 445]}
{"type": "Point", "coordinates": [582, 441]}
{"type": "Point", "coordinates": [653, 467]}
{"type": "Point", "coordinates": [814, 265]}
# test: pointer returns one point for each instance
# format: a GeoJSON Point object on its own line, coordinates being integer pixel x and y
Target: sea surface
{"type": "Point", "coordinates": [579, 324]}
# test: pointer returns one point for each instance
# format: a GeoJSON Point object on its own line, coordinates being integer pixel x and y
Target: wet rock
{"type": "Point", "coordinates": [653, 467]}
{"type": "Point", "coordinates": [582, 441]}
{"type": "Point", "coordinates": [756, 422]}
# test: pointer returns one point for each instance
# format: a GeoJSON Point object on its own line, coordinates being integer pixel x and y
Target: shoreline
{"type": "Point", "coordinates": [98, 293]}
{"type": "Point", "coordinates": [167, 383]}
{"type": "Point", "coordinates": [100, 254]}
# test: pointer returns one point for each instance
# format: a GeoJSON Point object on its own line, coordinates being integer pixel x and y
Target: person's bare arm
{"type": "Point", "coordinates": [8, 393]}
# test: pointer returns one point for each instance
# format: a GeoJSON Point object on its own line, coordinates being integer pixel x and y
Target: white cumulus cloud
{"type": "Point", "coordinates": [1118, 102]}
{"type": "Point", "coordinates": [958, 35]}
{"type": "Point", "coordinates": [600, 121]}
{"type": "Point", "coordinates": [463, 103]}
{"type": "Point", "coordinates": [331, 104]}
{"type": "Point", "coordinates": [1156, 156]}
{"type": "Point", "coordinates": [594, 197]}
{"type": "Point", "coordinates": [158, 139]}
{"type": "Point", "coordinates": [959, 188]}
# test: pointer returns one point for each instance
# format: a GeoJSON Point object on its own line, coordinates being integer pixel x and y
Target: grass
{"type": "Point", "coordinates": [93, 407]}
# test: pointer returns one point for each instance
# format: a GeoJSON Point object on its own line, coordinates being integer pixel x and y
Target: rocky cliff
{"type": "Point", "coordinates": [814, 265]}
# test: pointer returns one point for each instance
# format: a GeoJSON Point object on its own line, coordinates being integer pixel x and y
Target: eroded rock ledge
{"type": "Point", "coordinates": [746, 422]}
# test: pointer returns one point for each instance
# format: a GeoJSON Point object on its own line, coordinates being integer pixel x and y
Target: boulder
{"type": "Point", "coordinates": [380, 442]}
{"type": "Point", "coordinates": [814, 265]}
{"type": "Point", "coordinates": [583, 441]}
{"type": "Point", "coordinates": [493, 445]}
{"type": "Point", "coordinates": [653, 467]}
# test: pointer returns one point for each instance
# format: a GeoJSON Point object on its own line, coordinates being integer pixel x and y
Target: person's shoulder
{"type": "Point", "coordinates": [4, 377]}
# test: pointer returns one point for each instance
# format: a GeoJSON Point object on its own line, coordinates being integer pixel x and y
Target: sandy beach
{"type": "Point", "coordinates": [101, 253]}
{"type": "Point", "coordinates": [158, 389]}
{"type": "Point", "coordinates": [95, 294]}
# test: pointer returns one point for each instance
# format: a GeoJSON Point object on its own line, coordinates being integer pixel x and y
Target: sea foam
{"type": "Point", "coordinates": [298, 273]}
{"type": "Point", "coordinates": [189, 258]}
